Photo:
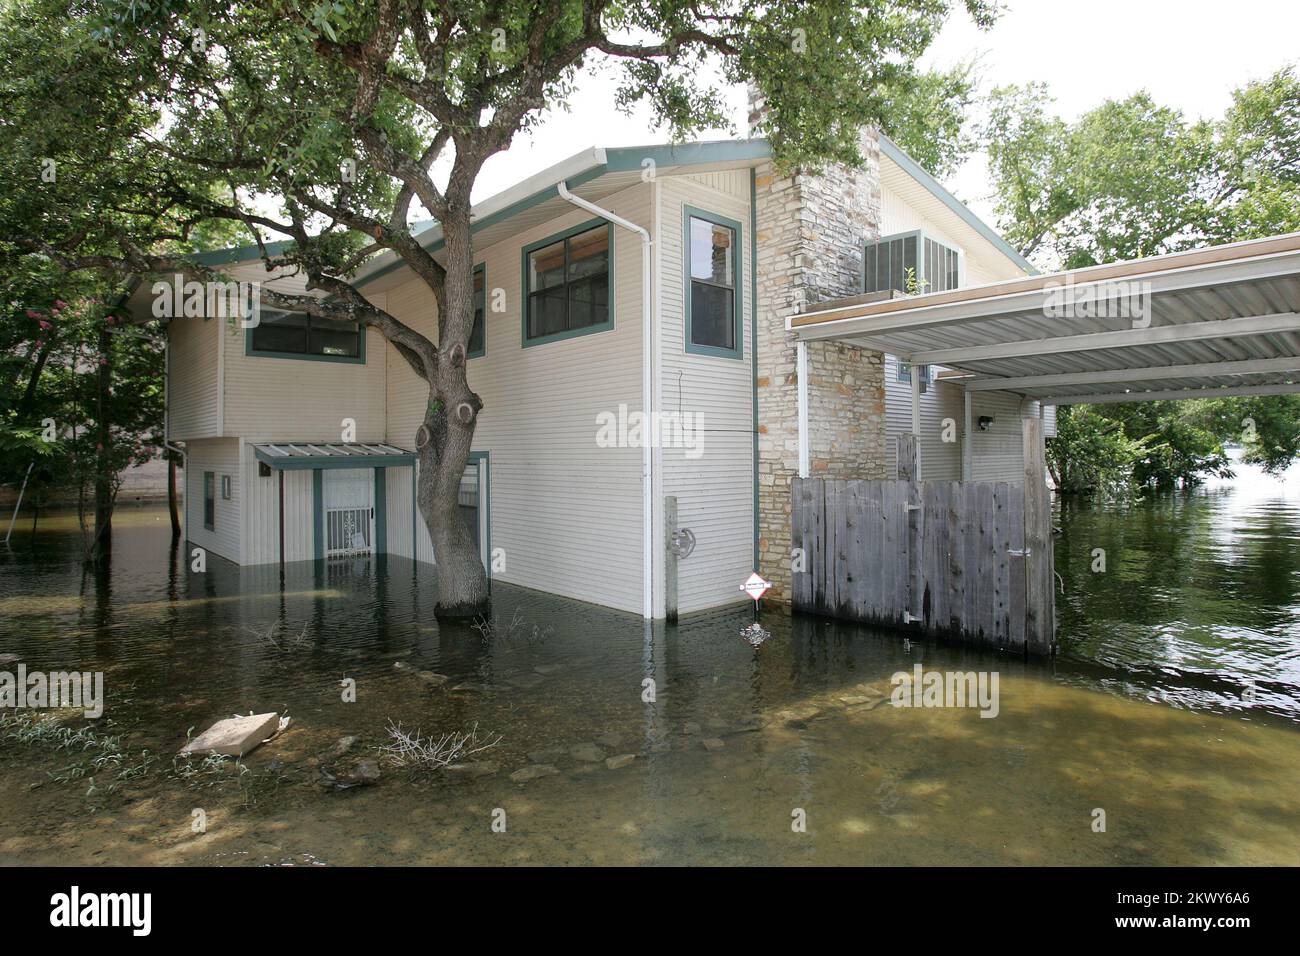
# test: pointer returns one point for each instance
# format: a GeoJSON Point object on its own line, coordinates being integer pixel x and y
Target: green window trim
{"type": "Point", "coordinates": [689, 213]}
{"type": "Point", "coordinates": [605, 326]}
{"type": "Point", "coordinates": [480, 270]}
{"type": "Point", "coordinates": [210, 500]}
{"type": "Point", "coordinates": [358, 359]}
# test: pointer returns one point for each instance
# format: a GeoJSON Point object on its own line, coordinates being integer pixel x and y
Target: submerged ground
{"type": "Point", "coordinates": [1174, 708]}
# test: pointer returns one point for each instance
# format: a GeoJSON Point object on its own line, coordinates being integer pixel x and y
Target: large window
{"type": "Point", "coordinates": [296, 334]}
{"type": "Point", "coordinates": [567, 284]}
{"type": "Point", "coordinates": [210, 500]}
{"type": "Point", "coordinates": [713, 303]}
{"type": "Point", "coordinates": [478, 335]}
{"type": "Point", "coordinates": [912, 263]}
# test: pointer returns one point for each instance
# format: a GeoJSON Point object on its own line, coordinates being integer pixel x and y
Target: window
{"type": "Point", "coordinates": [910, 262]}
{"type": "Point", "coordinates": [567, 284]}
{"type": "Point", "coordinates": [478, 335]}
{"type": "Point", "coordinates": [713, 302]}
{"type": "Point", "coordinates": [209, 501]}
{"type": "Point", "coordinates": [298, 334]}
{"type": "Point", "coordinates": [225, 487]}
{"type": "Point", "coordinates": [905, 374]}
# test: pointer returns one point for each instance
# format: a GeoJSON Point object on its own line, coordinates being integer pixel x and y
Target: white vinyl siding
{"type": "Point", "coordinates": [715, 492]}
{"type": "Point", "coordinates": [566, 512]}
{"type": "Point", "coordinates": [262, 514]}
{"type": "Point", "coordinates": [192, 378]}
{"type": "Point", "coordinates": [221, 457]}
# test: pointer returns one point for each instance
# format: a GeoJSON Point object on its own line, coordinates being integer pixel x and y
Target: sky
{"type": "Point", "coordinates": [1189, 54]}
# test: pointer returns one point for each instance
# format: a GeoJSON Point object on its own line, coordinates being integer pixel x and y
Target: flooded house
{"type": "Point", "coordinates": [624, 287]}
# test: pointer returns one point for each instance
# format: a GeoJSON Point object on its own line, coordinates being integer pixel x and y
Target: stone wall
{"type": "Point", "coordinates": [811, 233]}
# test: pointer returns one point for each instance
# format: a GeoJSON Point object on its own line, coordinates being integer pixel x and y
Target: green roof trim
{"type": "Point", "coordinates": [913, 169]}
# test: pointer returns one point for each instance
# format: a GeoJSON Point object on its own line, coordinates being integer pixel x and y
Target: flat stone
{"type": "Point", "coordinates": [610, 739]}
{"type": "Point", "coordinates": [429, 677]}
{"type": "Point", "coordinates": [713, 743]}
{"type": "Point", "coordinates": [622, 760]}
{"type": "Point", "coordinates": [852, 700]}
{"type": "Point", "coordinates": [525, 681]}
{"type": "Point", "coordinates": [524, 774]}
{"type": "Point", "coordinates": [341, 746]}
{"type": "Point", "coordinates": [546, 669]}
{"type": "Point", "coordinates": [234, 736]}
{"type": "Point", "coordinates": [7, 660]}
{"type": "Point", "coordinates": [362, 774]}
{"type": "Point", "coordinates": [474, 768]}
{"type": "Point", "coordinates": [690, 727]}
{"type": "Point", "coordinates": [587, 753]}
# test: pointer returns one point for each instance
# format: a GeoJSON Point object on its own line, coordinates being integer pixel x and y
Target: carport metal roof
{"type": "Point", "coordinates": [291, 456]}
{"type": "Point", "coordinates": [1211, 322]}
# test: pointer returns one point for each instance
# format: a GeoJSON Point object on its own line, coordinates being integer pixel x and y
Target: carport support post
{"type": "Point", "coordinates": [909, 471]}
{"type": "Point", "coordinates": [801, 384]}
{"type": "Point", "coordinates": [670, 559]}
{"type": "Point", "coordinates": [1040, 614]}
{"type": "Point", "coordinates": [967, 439]}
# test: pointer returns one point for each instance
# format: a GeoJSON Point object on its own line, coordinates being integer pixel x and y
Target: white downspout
{"type": "Point", "coordinates": [647, 392]}
{"type": "Point", "coordinates": [801, 392]}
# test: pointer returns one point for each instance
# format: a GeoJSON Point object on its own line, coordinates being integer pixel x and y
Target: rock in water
{"type": "Point", "coordinates": [587, 753]}
{"type": "Point", "coordinates": [713, 743]}
{"type": "Point", "coordinates": [234, 736]}
{"type": "Point", "coordinates": [622, 760]}
{"type": "Point", "coordinates": [8, 660]}
{"type": "Point", "coordinates": [524, 774]}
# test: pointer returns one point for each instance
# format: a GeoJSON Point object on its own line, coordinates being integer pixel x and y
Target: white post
{"type": "Point", "coordinates": [801, 374]}
{"type": "Point", "coordinates": [967, 439]}
{"type": "Point", "coordinates": [916, 414]}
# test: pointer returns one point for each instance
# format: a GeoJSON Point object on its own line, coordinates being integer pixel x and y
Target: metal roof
{"type": "Point", "coordinates": [1211, 322]}
{"type": "Point", "coordinates": [289, 456]}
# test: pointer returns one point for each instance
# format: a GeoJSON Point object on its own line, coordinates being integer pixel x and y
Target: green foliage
{"type": "Point", "coordinates": [1130, 179]}
{"type": "Point", "coordinates": [1090, 454]}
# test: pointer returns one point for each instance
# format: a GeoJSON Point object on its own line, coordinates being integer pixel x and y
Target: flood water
{"type": "Point", "coordinates": [1174, 708]}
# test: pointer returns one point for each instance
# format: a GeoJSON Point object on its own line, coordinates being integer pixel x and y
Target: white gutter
{"type": "Point", "coordinates": [647, 391]}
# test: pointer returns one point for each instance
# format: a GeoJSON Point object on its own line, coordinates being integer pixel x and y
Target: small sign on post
{"type": "Point", "coordinates": [755, 586]}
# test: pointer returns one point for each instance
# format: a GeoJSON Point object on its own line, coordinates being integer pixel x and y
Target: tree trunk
{"type": "Point", "coordinates": [445, 438]}
{"type": "Point", "coordinates": [103, 541]}
{"type": "Point", "coordinates": [171, 495]}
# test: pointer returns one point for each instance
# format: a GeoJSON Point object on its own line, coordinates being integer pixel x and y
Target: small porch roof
{"type": "Point", "coordinates": [292, 456]}
{"type": "Point", "coordinates": [1208, 323]}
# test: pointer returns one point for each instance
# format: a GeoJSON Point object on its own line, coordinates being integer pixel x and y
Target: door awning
{"type": "Point", "coordinates": [291, 456]}
{"type": "Point", "coordinates": [1207, 323]}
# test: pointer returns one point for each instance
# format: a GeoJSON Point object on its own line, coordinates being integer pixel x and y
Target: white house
{"type": "Point", "coordinates": [298, 433]}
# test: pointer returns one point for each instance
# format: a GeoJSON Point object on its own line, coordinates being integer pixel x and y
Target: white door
{"type": "Point", "coordinates": [349, 511]}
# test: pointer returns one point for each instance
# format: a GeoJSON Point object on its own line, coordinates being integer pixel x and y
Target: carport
{"type": "Point", "coordinates": [1213, 322]}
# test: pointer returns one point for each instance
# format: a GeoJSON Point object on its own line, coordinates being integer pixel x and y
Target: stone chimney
{"type": "Point", "coordinates": [812, 231]}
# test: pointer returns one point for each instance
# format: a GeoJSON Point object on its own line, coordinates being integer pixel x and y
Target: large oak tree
{"type": "Point", "coordinates": [336, 125]}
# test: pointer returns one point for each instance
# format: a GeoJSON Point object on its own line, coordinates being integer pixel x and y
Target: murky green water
{"type": "Point", "coordinates": [1141, 717]}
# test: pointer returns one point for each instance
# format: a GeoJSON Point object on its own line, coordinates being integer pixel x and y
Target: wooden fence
{"type": "Point", "coordinates": [969, 561]}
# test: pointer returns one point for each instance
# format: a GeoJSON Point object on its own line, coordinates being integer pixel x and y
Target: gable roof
{"type": "Point", "coordinates": [598, 172]}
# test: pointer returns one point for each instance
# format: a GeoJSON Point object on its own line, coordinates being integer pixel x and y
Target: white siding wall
{"type": "Point", "coordinates": [222, 457]}
{"type": "Point", "coordinates": [567, 512]}
{"type": "Point", "coordinates": [940, 460]}
{"type": "Point", "coordinates": [262, 514]}
{"type": "Point", "coordinates": [715, 492]}
{"type": "Point", "coordinates": [192, 379]}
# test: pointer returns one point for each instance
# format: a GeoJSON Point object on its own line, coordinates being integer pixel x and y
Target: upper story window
{"type": "Point", "coordinates": [713, 299]}
{"type": "Point", "coordinates": [567, 284]}
{"type": "Point", "coordinates": [911, 262]}
{"type": "Point", "coordinates": [298, 335]}
{"type": "Point", "coordinates": [478, 335]}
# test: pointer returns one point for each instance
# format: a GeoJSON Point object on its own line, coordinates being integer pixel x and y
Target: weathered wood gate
{"type": "Point", "coordinates": [968, 561]}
